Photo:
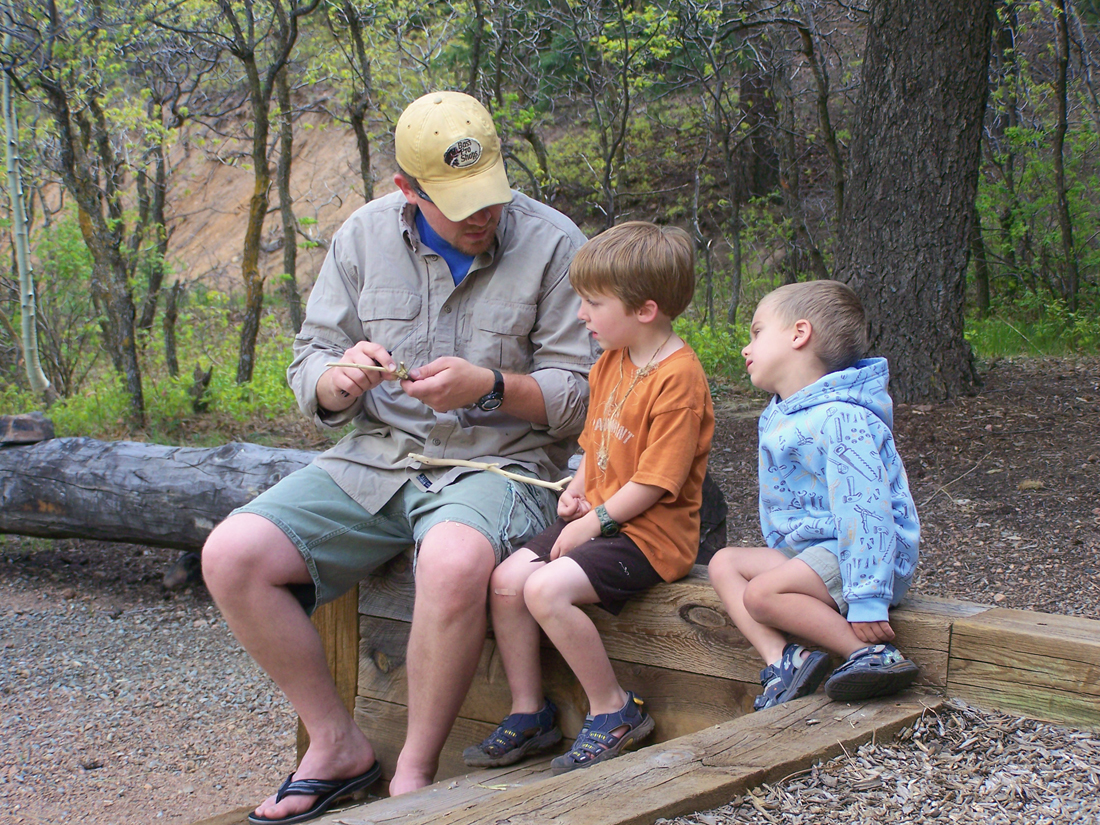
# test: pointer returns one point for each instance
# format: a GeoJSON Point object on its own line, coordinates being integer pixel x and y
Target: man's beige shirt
{"type": "Point", "coordinates": [514, 311]}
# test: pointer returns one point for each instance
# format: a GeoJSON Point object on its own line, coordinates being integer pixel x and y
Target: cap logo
{"type": "Point", "coordinates": [462, 153]}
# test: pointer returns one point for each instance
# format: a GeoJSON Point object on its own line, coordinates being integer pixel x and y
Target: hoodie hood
{"type": "Point", "coordinates": [864, 383]}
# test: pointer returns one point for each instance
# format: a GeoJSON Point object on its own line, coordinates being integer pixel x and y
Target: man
{"type": "Point", "coordinates": [465, 283]}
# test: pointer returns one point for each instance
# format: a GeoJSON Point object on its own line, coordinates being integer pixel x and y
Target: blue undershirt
{"type": "Point", "coordinates": [458, 262]}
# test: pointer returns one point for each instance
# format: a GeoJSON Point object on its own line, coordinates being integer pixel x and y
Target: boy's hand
{"type": "Point", "coordinates": [873, 633]}
{"type": "Point", "coordinates": [572, 505]}
{"type": "Point", "coordinates": [575, 533]}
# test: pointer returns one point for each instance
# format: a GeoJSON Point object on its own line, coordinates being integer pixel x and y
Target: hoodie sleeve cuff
{"type": "Point", "coordinates": [869, 610]}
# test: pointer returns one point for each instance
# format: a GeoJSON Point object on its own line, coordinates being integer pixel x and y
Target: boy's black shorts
{"type": "Point", "coordinates": [615, 565]}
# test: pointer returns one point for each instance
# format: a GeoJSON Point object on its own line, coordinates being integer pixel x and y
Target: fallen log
{"type": "Point", "coordinates": [128, 491]}
{"type": "Point", "coordinates": [133, 492]}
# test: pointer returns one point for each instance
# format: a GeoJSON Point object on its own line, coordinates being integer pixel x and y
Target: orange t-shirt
{"type": "Point", "coordinates": [662, 439]}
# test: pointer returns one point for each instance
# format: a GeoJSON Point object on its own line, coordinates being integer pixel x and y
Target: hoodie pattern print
{"type": "Point", "coordinates": [830, 476]}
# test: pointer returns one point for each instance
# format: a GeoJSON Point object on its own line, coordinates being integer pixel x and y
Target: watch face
{"type": "Point", "coordinates": [490, 402]}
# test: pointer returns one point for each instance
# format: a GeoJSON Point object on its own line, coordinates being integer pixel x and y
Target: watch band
{"type": "Point", "coordinates": [608, 525]}
{"type": "Point", "coordinates": [495, 397]}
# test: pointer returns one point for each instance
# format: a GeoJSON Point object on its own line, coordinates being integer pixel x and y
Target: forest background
{"type": "Point", "coordinates": [181, 166]}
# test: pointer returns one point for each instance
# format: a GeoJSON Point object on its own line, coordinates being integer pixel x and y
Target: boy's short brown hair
{"type": "Point", "coordinates": [835, 313]}
{"type": "Point", "coordinates": [637, 262]}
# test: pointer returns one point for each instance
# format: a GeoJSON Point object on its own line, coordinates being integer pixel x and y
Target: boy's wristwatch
{"type": "Point", "coordinates": [608, 525]}
{"type": "Point", "coordinates": [495, 397]}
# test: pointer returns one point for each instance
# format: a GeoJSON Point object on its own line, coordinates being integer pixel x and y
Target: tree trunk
{"type": "Point", "coordinates": [286, 202]}
{"type": "Point", "coordinates": [257, 212]}
{"type": "Point", "coordinates": [914, 171]}
{"type": "Point", "coordinates": [1071, 276]}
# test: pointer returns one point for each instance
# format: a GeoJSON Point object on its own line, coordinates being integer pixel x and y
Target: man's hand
{"type": "Point", "coordinates": [572, 505]}
{"type": "Point", "coordinates": [873, 633]}
{"type": "Point", "coordinates": [339, 387]}
{"type": "Point", "coordinates": [448, 383]}
{"type": "Point", "coordinates": [575, 534]}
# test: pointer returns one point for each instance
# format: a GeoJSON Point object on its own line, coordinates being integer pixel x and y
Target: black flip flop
{"type": "Point", "coordinates": [327, 792]}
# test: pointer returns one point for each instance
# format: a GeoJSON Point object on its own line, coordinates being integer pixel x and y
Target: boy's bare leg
{"type": "Point", "coordinates": [448, 631]}
{"type": "Point", "coordinates": [731, 569]}
{"type": "Point", "coordinates": [553, 596]}
{"type": "Point", "coordinates": [793, 598]}
{"type": "Point", "coordinates": [516, 631]}
{"type": "Point", "coordinates": [247, 563]}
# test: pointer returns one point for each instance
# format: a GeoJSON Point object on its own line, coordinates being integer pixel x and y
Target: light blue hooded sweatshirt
{"type": "Point", "coordinates": [830, 476]}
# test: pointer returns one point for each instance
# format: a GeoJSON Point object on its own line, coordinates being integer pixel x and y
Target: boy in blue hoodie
{"type": "Point", "coordinates": [835, 506]}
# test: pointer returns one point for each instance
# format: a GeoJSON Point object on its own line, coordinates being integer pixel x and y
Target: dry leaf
{"type": "Point", "coordinates": [1030, 484]}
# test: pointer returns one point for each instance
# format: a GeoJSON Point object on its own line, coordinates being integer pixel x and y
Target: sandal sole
{"type": "Point", "coordinates": [644, 729]}
{"type": "Point", "coordinates": [474, 757]}
{"type": "Point", "coordinates": [857, 685]}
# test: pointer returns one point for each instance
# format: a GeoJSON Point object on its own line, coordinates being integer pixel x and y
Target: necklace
{"type": "Point", "coordinates": [613, 408]}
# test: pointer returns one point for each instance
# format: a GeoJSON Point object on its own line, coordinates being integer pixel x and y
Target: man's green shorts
{"type": "Point", "coordinates": [341, 542]}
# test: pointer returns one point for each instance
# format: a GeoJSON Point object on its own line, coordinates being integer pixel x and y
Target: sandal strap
{"type": "Point", "coordinates": [515, 728]}
{"type": "Point", "coordinates": [307, 787]}
{"type": "Point", "coordinates": [598, 735]}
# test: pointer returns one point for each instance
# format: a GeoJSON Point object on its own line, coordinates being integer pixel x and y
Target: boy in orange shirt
{"type": "Point", "coordinates": [629, 519]}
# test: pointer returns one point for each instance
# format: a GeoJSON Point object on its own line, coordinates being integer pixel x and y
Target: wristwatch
{"type": "Point", "coordinates": [608, 525]}
{"type": "Point", "coordinates": [495, 397]}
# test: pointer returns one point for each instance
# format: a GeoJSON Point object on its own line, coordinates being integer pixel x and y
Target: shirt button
{"type": "Point", "coordinates": [447, 310]}
{"type": "Point", "coordinates": [436, 442]}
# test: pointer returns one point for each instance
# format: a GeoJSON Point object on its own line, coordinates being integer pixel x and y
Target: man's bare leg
{"type": "Point", "coordinates": [448, 631]}
{"type": "Point", "coordinates": [247, 563]}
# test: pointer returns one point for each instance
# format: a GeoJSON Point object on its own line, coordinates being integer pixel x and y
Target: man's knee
{"type": "Point", "coordinates": [246, 548]}
{"type": "Point", "coordinates": [453, 567]}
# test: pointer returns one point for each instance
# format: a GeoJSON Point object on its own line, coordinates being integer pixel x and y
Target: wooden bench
{"type": "Point", "coordinates": [680, 651]}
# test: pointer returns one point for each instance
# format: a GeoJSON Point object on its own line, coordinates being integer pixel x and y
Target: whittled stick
{"type": "Point", "coordinates": [401, 372]}
{"type": "Point", "coordinates": [492, 468]}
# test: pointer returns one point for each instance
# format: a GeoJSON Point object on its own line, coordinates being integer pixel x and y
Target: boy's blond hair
{"type": "Point", "coordinates": [835, 313]}
{"type": "Point", "coordinates": [637, 262]}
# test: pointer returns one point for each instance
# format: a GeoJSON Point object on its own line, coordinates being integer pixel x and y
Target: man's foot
{"type": "Point", "coordinates": [876, 670]}
{"type": "Point", "coordinates": [318, 764]}
{"type": "Point", "coordinates": [517, 736]}
{"type": "Point", "coordinates": [798, 674]}
{"type": "Point", "coordinates": [324, 792]}
{"type": "Point", "coordinates": [407, 781]}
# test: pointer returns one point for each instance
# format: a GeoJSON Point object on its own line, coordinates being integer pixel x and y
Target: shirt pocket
{"type": "Point", "coordinates": [391, 317]}
{"type": "Point", "coordinates": [501, 335]}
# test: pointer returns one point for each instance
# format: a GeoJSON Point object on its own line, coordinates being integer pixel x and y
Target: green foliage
{"type": "Point", "coordinates": [1030, 325]}
{"type": "Point", "coordinates": [718, 347]}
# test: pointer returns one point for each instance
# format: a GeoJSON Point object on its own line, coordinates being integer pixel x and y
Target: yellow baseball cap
{"type": "Point", "coordinates": [447, 141]}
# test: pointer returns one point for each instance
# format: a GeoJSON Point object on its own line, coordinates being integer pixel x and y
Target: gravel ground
{"type": "Point", "coordinates": [119, 704]}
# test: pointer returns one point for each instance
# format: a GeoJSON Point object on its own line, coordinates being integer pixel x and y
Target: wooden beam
{"type": "Point", "coordinates": [1039, 665]}
{"type": "Point", "coordinates": [686, 774]}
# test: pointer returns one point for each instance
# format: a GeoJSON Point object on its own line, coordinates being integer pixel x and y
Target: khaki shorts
{"type": "Point", "coordinates": [827, 566]}
{"type": "Point", "coordinates": [341, 542]}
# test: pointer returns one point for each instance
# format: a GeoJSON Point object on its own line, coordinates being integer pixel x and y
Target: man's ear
{"type": "Point", "coordinates": [647, 311]}
{"type": "Point", "coordinates": [406, 188]}
{"type": "Point", "coordinates": [803, 331]}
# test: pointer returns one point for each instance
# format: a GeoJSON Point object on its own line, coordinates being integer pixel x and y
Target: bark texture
{"type": "Point", "coordinates": [914, 171]}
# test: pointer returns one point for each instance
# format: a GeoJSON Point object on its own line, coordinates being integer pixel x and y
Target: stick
{"type": "Point", "coordinates": [492, 468]}
{"type": "Point", "coordinates": [400, 372]}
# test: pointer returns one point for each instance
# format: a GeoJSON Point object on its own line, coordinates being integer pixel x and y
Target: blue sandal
{"type": "Point", "coordinates": [598, 741]}
{"type": "Point", "coordinates": [798, 674]}
{"type": "Point", "coordinates": [517, 736]}
{"type": "Point", "coordinates": [876, 670]}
